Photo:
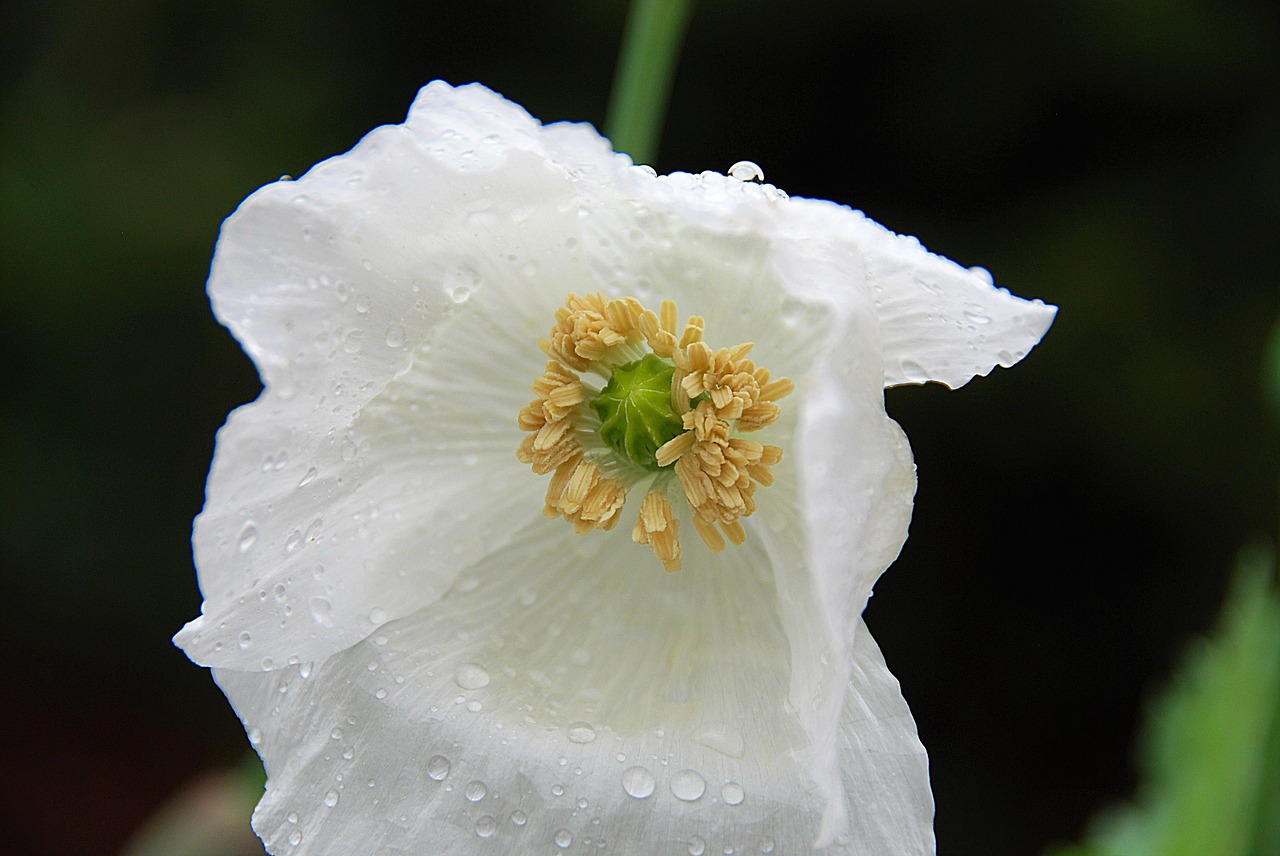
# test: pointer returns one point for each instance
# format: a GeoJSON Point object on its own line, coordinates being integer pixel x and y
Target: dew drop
{"type": "Point", "coordinates": [697, 846]}
{"type": "Point", "coordinates": [746, 171]}
{"type": "Point", "coordinates": [245, 640]}
{"type": "Point", "coordinates": [295, 839]}
{"type": "Point", "coordinates": [475, 705]}
{"type": "Point", "coordinates": [486, 826]}
{"type": "Point", "coordinates": [396, 336]}
{"type": "Point", "coordinates": [377, 615]}
{"type": "Point", "coordinates": [688, 785]}
{"type": "Point", "coordinates": [563, 839]}
{"type": "Point", "coordinates": [321, 611]}
{"type": "Point", "coordinates": [438, 767]}
{"type": "Point", "coordinates": [331, 799]}
{"type": "Point", "coordinates": [581, 732]}
{"type": "Point", "coordinates": [766, 845]}
{"type": "Point", "coordinates": [519, 818]}
{"type": "Point", "coordinates": [983, 274]}
{"type": "Point", "coordinates": [308, 477]}
{"type": "Point", "coordinates": [557, 790]}
{"type": "Point", "coordinates": [976, 315]}
{"type": "Point", "coordinates": [255, 736]}
{"type": "Point", "coordinates": [459, 294]}
{"type": "Point", "coordinates": [732, 793]}
{"type": "Point", "coordinates": [248, 534]}
{"type": "Point", "coordinates": [638, 782]}
{"type": "Point", "coordinates": [475, 791]}
{"type": "Point", "coordinates": [471, 676]}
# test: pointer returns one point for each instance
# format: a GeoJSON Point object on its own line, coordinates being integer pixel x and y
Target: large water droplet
{"type": "Point", "coordinates": [321, 611]}
{"type": "Point", "coordinates": [581, 732]}
{"type": "Point", "coordinates": [248, 534]}
{"type": "Point", "coordinates": [438, 767]}
{"type": "Point", "coordinates": [396, 336]}
{"type": "Point", "coordinates": [746, 171]}
{"type": "Point", "coordinates": [471, 676]}
{"type": "Point", "coordinates": [295, 839]}
{"type": "Point", "coordinates": [722, 738]}
{"type": "Point", "coordinates": [519, 818]}
{"type": "Point", "coordinates": [688, 785]}
{"type": "Point", "coordinates": [331, 799]}
{"type": "Point", "coordinates": [732, 793]}
{"type": "Point", "coordinates": [697, 846]}
{"type": "Point", "coordinates": [377, 615]}
{"type": "Point", "coordinates": [475, 791]}
{"type": "Point", "coordinates": [638, 782]}
{"type": "Point", "coordinates": [563, 839]}
{"type": "Point", "coordinates": [486, 826]}
{"type": "Point", "coordinates": [245, 640]}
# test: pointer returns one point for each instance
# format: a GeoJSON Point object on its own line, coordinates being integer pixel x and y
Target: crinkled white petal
{"type": "Point", "coordinates": [392, 299]}
{"type": "Point", "coordinates": [940, 322]}
{"type": "Point", "coordinates": [544, 701]}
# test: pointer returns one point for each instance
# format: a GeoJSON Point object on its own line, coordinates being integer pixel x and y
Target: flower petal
{"type": "Point", "coordinates": [938, 321]}
{"type": "Point", "coordinates": [540, 703]}
{"type": "Point", "coordinates": [385, 263]}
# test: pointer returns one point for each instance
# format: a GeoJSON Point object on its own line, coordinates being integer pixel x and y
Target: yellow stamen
{"type": "Point", "coordinates": [716, 394]}
{"type": "Point", "coordinates": [659, 529]}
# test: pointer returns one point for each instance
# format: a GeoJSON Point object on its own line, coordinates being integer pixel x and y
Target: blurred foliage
{"type": "Point", "coordinates": [1211, 747]}
{"type": "Point", "coordinates": [1118, 157]}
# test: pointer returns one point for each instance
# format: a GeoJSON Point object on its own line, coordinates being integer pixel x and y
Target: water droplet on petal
{"type": "Point", "coordinates": [438, 767]}
{"type": "Point", "coordinates": [396, 336]}
{"type": "Point", "coordinates": [248, 534]}
{"type": "Point", "coordinates": [563, 839]}
{"type": "Point", "coordinates": [697, 846]}
{"type": "Point", "coordinates": [976, 315]}
{"type": "Point", "coordinates": [688, 785]}
{"type": "Point", "coordinates": [331, 799]}
{"type": "Point", "coordinates": [638, 782]}
{"type": "Point", "coordinates": [471, 676]}
{"type": "Point", "coordinates": [295, 839]}
{"type": "Point", "coordinates": [308, 477]}
{"type": "Point", "coordinates": [983, 274]}
{"type": "Point", "coordinates": [519, 818]}
{"type": "Point", "coordinates": [245, 640]}
{"type": "Point", "coordinates": [377, 615]}
{"type": "Point", "coordinates": [581, 732]}
{"type": "Point", "coordinates": [732, 793]}
{"type": "Point", "coordinates": [486, 826]}
{"type": "Point", "coordinates": [321, 611]}
{"type": "Point", "coordinates": [746, 171]}
{"type": "Point", "coordinates": [766, 845]}
{"type": "Point", "coordinates": [475, 791]}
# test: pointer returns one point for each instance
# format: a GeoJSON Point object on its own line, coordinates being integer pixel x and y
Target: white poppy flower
{"type": "Point", "coordinates": [426, 662]}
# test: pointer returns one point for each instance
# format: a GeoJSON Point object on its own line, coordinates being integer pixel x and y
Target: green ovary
{"type": "Point", "coordinates": [635, 410]}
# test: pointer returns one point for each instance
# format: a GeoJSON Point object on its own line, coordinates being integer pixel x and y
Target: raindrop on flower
{"type": "Point", "coordinates": [563, 839]}
{"type": "Point", "coordinates": [688, 785]}
{"type": "Point", "coordinates": [321, 611]}
{"type": "Point", "coordinates": [519, 818]}
{"type": "Point", "coordinates": [638, 782]}
{"type": "Point", "coordinates": [308, 477]}
{"type": "Point", "coordinates": [476, 791]}
{"type": "Point", "coordinates": [486, 826]}
{"type": "Point", "coordinates": [697, 846]}
{"type": "Point", "coordinates": [471, 676]}
{"type": "Point", "coordinates": [581, 732]}
{"type": "Point", "coordinates": [248, 534]}
{"type": "Point", "coordinates": [331, 799]}
{"type": "Point", "coordinates": [438, 767]}
{"type": "Point", "coordinates": [746, 171]}
{"type": "Point", "coordinates": [766, 845]}
{"type": "Point", "coordinates": [245, 640]}
{"type": "Point", "coordinates": [377, 615]}
{"type": "Point", "coordinates": [732, 793]}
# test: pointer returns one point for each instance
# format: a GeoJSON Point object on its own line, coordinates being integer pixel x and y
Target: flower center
{"type": "Point", "coordinates": [636, 412]}
{"type": "Point", "coordinates": [669, 415]}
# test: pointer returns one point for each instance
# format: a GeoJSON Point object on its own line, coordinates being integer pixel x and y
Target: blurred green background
{"type": "Point", "coordinates": [1077, 518]}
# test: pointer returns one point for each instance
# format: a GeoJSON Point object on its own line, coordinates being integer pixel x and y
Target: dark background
{"type": "Point", "coordinates": [1077, 517]}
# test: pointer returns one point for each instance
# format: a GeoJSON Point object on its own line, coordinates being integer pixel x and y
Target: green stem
{"type": "Point", "coordinates": [646, 67]}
